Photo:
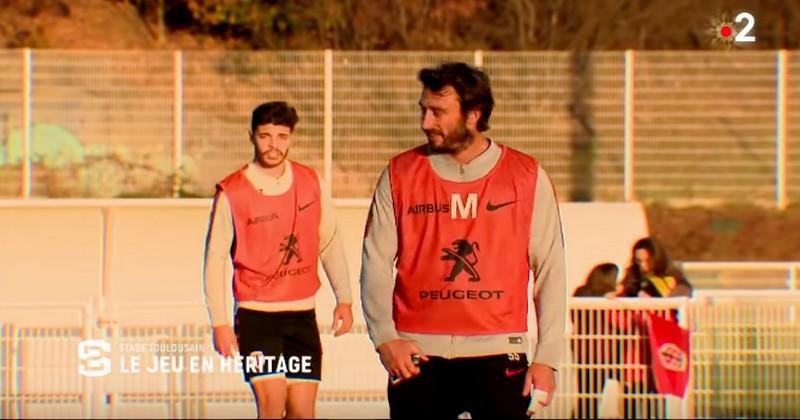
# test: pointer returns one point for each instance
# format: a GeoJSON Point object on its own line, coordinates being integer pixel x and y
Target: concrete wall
{"type": "Point", "coordinates": [141, 252]}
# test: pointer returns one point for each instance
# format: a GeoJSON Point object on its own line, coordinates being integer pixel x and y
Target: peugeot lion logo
{"type": "Point", "coordinates": [463, 253]}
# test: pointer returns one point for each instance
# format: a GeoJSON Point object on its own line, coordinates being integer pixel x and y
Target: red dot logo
{"type": "Point", "coordinates": [725, 31]}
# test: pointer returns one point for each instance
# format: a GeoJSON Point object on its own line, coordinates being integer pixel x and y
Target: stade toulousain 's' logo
{"type": "Point", "coordinates": [727, 33]}
{"type": "Point", "coordinates": [465, 258]}
{"type": "Point", "coordinates": [673, 358]}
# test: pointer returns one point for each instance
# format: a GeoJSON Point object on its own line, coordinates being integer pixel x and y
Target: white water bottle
{"type": "Point", "coordinates": [538, 398]}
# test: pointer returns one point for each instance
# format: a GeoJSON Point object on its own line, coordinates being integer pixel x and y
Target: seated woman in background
{"type": "Point", "coordinates": [600, 281]}
{"type": "Point", "coordinates": [593, 355]}
{"type": "Point", "coordinates": [651, 273]}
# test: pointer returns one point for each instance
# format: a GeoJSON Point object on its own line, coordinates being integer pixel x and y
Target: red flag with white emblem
{"type": "Point", "coordinates": [669, 345]}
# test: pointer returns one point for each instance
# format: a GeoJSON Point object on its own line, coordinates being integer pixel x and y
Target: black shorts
{"type": "Point", "coordinates": [284, 344]}
{"type": "Point", "coordinates": [488, 387]}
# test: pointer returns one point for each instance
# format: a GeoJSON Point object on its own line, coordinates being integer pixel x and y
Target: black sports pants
{"type": "Point", "coordinates": [488, 387]}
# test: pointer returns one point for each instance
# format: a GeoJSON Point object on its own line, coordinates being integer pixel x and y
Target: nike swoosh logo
{"type": "Point", "coordinates": [493, 207]}
{"type": "Point", "coordinates": [301, 208]}
{"type": "Point", "coordinates": [510, 373]}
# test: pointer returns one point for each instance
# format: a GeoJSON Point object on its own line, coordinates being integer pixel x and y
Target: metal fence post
{"type": "Point", "coordinates": [95, 388]}
{"type": "Point", "coordinates": [629, 173]}
{"type": "Point", "coordinates": [27, 146]}
{"type": "Point", "coordinates": [328, 123]}
{"type": "Point", "coordinates": [780, 131]}
{"type": "Point", "coordinates": [478, 58]}
{"type": "Point", "coordinates": [684, 321]}
{"type": "Point", "coordinates": [9, 389]}
{"type": "Point", "coordinates": [177, 123]}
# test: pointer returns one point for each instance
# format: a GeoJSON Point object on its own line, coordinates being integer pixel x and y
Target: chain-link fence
{"type": "Point", "coordinates": [608, 126]}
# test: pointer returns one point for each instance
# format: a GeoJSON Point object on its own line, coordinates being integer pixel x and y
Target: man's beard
{"type": "Point", "coordinates": [262, 158]}
{"type": "Point", "coordinates": [455, 141]}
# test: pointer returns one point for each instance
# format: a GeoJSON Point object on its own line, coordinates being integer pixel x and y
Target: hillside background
{"type": "Point", "coordinates": [388, 24]}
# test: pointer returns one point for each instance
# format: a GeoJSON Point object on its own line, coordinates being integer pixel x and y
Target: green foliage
{"type": "Point", "coordinates": [113, 173]}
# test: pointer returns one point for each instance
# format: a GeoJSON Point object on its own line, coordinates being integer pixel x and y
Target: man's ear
{"type": "Point", "coordinates": [472, 118]}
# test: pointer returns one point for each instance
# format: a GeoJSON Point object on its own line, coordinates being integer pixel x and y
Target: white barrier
{"type": "Point", "coordinates": [743, 275]}
{"type": "Point", "coordinates": [745, 362]}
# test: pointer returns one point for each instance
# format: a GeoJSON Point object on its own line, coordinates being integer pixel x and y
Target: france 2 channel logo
{"type": "Point", "coordinates": [738, 31]}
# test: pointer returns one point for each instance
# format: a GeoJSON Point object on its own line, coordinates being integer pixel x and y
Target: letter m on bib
{"type": "Point", "coordinates": [461, 210]}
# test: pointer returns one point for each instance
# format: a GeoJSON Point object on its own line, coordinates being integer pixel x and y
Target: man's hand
{"type": "Point", "coordinates": [343, 315]}
{"type": "Point", "coordinates": [396, 357]}
{"type": "Point", "coordinates": [225, 342]}
{"type": "Point", "coordinates": [541, 377]}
